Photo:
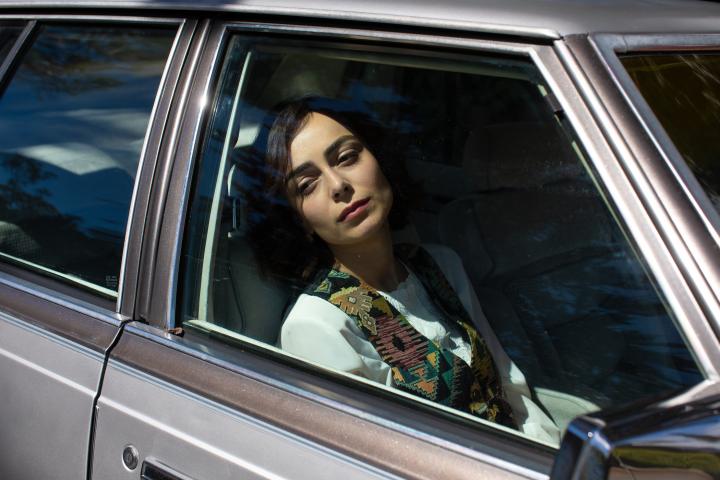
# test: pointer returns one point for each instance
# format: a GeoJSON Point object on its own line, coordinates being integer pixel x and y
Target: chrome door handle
{"type": "Point", "coordinates": [154, 470]}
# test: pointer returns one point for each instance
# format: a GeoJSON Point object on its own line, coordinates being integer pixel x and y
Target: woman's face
{"type": "Point", "coordinates": [335, 183]}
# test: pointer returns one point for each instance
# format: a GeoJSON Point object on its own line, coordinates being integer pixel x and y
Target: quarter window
{"type": "Point", "coordinates": [485, 178]}
{"type": "Point", "coordinates": [72, 123]}
{"type": "Point", "coordinates": [683, 90]}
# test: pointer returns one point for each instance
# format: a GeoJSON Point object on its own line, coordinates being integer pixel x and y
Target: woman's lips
{"type": "Point", "coordinates": [353, 210]}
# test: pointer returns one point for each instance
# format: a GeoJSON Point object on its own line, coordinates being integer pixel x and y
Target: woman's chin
{"type": "Point", "coordinates": [365, 231]}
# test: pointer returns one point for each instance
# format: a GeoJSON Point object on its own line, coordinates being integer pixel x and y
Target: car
{"type": "Point", "coordinates": [562, 154]}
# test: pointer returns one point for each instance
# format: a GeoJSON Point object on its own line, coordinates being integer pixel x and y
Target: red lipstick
{"type": "Point", "coordinates": [353, 209]}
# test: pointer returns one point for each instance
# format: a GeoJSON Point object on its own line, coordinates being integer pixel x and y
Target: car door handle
{"type": "Point", "coordinates": [154, 470]}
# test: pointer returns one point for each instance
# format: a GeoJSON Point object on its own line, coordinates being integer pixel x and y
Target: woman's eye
{"type": "Point", "coordinates": [306, 188]}
{"type": "Point", "coordinates": [348, 157]}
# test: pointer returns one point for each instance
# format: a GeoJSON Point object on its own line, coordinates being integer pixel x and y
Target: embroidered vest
{"type": "Point", "coordinates": [421, 366]}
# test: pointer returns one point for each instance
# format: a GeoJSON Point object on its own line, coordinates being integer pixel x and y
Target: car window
{"type": "Point", "coordinates": [683, 90]}
{"type": "Point", "coordinates": [496, 219]}
{"type": "Point", "coordinates": [72, 124]}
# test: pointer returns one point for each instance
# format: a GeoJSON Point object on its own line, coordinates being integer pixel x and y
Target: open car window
{"type": "Point", "coordinates": [495, 188]}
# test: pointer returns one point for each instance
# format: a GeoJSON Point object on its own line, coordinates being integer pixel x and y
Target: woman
{"type": "Point", "coordinates": [401, 315]}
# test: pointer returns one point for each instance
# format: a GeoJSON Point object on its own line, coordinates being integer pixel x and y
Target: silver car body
{"type": "Point", "coordinates": [81, 380]}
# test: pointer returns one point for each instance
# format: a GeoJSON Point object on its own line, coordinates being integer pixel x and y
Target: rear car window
{"type": "Point", "coordinates": [73, 118]}
{"type": "Point", "coordinates": [495, 187]}
{"type": "Point", "coordinates": [683, 90]}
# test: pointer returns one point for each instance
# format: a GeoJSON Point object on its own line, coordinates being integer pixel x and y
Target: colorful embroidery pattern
{"type": "Point", "coordinates": [419, 365]}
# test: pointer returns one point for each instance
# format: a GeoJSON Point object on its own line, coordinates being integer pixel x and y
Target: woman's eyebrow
{"type": "Point", "coordinates": [331, 151]}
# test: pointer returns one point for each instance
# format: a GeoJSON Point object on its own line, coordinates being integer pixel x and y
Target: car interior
{"type": "Point", "coordinates": [502, 183]}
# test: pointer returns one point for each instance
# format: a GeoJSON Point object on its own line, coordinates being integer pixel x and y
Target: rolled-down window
{"type": "Point", "coordinates": [423, 222]}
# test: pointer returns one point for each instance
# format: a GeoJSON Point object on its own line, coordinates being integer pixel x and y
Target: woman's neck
{"type": "Point", "coordinates": [373, 262]}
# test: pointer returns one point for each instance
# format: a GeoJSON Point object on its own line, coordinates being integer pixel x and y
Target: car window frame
{"type": "Point", "coordinates": [160, 298]}
{"type": "Point", "coordinates": [696, 232]}
{"type": "Point", "coordinates": [6, 62]}
{"type": "Point", "coordinates": [84, 302]}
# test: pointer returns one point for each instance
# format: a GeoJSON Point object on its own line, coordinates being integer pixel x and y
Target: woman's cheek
{"type": "Point", "coordinates": [313, 214]}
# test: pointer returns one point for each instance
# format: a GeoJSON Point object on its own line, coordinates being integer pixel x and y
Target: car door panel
{"type": "Point", "coordinates": [189, 415]}
{"type": "Point", "coordinates": [48, 388]}
{"type": "Point", "coordinates": [49, 381]}
{"type": "Point", "coordinates": [207, 421]}
{"type": "Point", "coordinates": [211, 443]}
{"type": "Point", "coordinates": [88, 86]}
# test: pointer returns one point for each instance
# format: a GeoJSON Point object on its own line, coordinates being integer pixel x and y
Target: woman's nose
{"type": "Point", "coordinates": [339, 187]}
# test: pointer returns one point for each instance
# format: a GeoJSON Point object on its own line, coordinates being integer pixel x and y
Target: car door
{"type": "Point", "coordinates": [76, 97]}
{"type": "Point", "coordinates": [656, 87]}
{"type": "Point", "coordinates": [197, 387]}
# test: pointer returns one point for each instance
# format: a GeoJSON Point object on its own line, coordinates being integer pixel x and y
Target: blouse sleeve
{"type": "Point", "coordinates": [530, 417]}
{"type": "Point", "coordinates": [318, 331]}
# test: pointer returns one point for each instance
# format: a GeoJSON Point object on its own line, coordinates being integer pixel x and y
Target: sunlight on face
{"type": "Point", "coordinates": [336, 184]}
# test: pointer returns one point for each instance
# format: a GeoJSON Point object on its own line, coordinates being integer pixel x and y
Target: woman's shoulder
{"type": "Point", "coordinates": [310, 310]}
{"type": "Point", "coordinates": [318, 331]}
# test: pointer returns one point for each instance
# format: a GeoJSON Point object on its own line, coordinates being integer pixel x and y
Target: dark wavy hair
{"type": "Point", "coordinates": [282, 247]}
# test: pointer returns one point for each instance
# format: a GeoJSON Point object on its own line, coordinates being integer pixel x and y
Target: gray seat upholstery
{"type": "Point", "coordinates": [244, 301]}
{"type": "Point", "coordinates": [538, 243]}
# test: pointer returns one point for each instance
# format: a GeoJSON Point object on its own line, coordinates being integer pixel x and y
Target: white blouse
{"type": "Point", "coordinates": [320, 332]}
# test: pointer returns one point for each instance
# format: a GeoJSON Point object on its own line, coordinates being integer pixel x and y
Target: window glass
{"type": "Point", "coordinates": [72, 124]}
{"type": "Point", "coordinates": [500, 233]}
{"type": "Point", "coordinates": [683, 90]}
{"type": "Point", "coordinates": [8, 35]}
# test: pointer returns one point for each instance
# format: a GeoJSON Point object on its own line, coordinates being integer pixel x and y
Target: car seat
{"type": "Point", "coordinates": [244, 300]}
{"type": "Point", "coordinates": [551, 274]}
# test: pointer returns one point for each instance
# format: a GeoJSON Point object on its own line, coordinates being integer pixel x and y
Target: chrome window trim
{"type": "Point", "coordinates": [153, 258]}
{"type": "Point", "coordinates": [148, 155]}
{"type": "Point", "coordinates": [411, 39]}
{"type": "Point", "coordinates": [96, 18]}
{"type": "Point", "coordinates": [658, 244]}
{"type": "Point", "coordinates": [62, 300]}
{"type": "Point", "coordinates": [207, 269]}
{"type": "Point", "coordinates": [706, 271]}
{"type": "Point", "coordinates": [691, 237]}
{"type": "Point", "coordinates": [535, 33]}
{"type": "Point", "coordinates": [63, 277]}
{"type": "Point", "coordinates": [74, 319]}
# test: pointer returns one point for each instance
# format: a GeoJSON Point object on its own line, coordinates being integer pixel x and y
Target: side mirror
{"type": "Point", "coordinates": [643, 442]}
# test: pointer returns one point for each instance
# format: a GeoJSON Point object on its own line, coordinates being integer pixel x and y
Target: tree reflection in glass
{"type": "Point", "coordinates": [72, 124]}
